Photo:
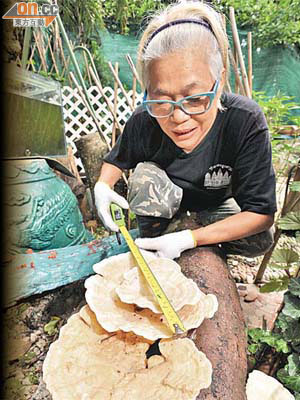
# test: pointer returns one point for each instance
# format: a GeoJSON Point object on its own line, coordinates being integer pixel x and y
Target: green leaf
{"type": "Point", "coordinates": [291, 221]}
{"type": "Point", "coordinates": [280, 345]}
{"type": "Point", "coordinates": [252, 348]}
{"type": "Point", "coordinates": [255, 334]}
{"type": "Point", "coordinates": [50, 328]}
{"type": "Point", "coordinates": [275, 285]}
{"type": "Point", "coordinates": [279, 266]}
{"type": "Point", "coordinates": [285, 256]}
{"type": "Point", "coordinates": [132, 215]}
{"type": "Point", "coordinates": [274, 340]}
{"type": "Point", "coordinates": [294, 286]}
{"type": "Point", "coordinates": [290, 328]}
{"type": "Point", "coordinates": [294, 364]}
{"type": "Point", "coordinates": [292, 306]}
{"type": "Point", "coordinates": [291, 382]}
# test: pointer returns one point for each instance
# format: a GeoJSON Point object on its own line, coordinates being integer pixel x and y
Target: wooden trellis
{"type": "Point", "coordinates": [78, 121]}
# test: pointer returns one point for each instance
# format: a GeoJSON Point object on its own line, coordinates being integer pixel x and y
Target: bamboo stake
{"type": "Point", "coordinates": [66, 66]}
{"type": "Point", "coordinates": [227, 83]}
{"type": "Point", "coordinates": [236, 83]}
{"type": "Point", "coordinates": [249, 40]}
{"type": "Point", "coordinates": [87, 69]}
{"type": "Point", "coordinates": [100, 88]}
{"type": "Point", "coordinates": [121, 86]}
{"type": "Point", "coordinates": [56, 37]}
{"type": "Point", "coordinates": [78, 72]}
{"type": "Point", "coordinates": [133, 91]}
{"type": "Point", "coordinates": [236, 73]}
{"type": "Point", "coordinates": [60, 46]}
{"type": "Point", "coordinates": [53, 59]}
{"type": "Point", "coordinates": [113, 138]}
{"type": "Point", "coordinates": [87, 104]}
{"type": "Point", "coordinates": [26, 46]}
{"type": "Point", "coordinates": [239, 51]}
{"type": "Point", "coordinates": [40, 50]}
{"type": "Point", "coordinates": [30, 63]}
{"type": "Point", "coordinates": [133, 69]}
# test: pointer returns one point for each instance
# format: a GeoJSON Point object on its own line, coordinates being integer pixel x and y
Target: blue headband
{"type": "Point", "coordinates": [177, 22]}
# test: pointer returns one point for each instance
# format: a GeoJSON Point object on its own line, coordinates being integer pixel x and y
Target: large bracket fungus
{"type": "Point", "coordinates": [88, 363]}
{"type": "Point", "coordinates": [265, 387]}
{"type": "Point", "coordinates": [113, 314]}
{"type": "Point", "coordinates": [180, 290]}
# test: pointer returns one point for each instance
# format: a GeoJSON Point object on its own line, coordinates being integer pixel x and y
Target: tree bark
{"type": "Point", "coordinates": [223, 337]}
{"type": "Point", "coordinates": [91, 150]}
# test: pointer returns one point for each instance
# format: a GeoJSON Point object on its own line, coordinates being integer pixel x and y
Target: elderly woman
{"type": "Point", "coordinates": [193, 146]}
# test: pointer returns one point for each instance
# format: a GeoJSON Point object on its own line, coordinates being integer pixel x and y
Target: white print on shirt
{"type": "Point", "coordinates": [218, 177]}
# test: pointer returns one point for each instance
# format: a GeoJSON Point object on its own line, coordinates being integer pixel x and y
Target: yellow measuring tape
{"type": "Point", "coordinates": [172, 317]}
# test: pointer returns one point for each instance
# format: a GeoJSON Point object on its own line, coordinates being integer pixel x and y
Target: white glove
{"type": "Point", "coordinates": [104, 196]}
{"type": "Point", "coordinates": [170, 245]}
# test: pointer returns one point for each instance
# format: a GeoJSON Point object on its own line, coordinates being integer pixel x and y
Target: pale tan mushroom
{"type": "Point", "coordinates": [180, 290]}
{"type": "Point", "coordinates": [265, 387]}
{"type": "Point", "coordinates": [87, 363]}
{"type": "Point", "coordinates": [114, 315]}
{"type": "Point", "coordinates": [113, 268]}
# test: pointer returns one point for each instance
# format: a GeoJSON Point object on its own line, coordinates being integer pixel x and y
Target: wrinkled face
{"type": "Point", "coordinates": [176, 76]}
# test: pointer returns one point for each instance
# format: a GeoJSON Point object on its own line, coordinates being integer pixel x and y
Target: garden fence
{"type": "Point", "coordinates": [79, 122]}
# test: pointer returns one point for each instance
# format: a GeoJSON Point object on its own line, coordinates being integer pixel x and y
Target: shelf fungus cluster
{"type": "Point", "coordinates": [262, 386]}
{"type": "Point", "coordinates": [103, 352]}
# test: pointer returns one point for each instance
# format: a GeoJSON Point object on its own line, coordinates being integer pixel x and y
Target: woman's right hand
{"type": "Point", "coordinates": [104, 196]}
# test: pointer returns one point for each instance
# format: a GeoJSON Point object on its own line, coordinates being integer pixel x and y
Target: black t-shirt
{"type": "Point", "coordinates": [233, 160]}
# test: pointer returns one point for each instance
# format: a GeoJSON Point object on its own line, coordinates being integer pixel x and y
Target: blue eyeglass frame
{"type": "Point", "coordinates": [211, 94]}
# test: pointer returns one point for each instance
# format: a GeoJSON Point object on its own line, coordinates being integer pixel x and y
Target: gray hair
{"type": "Point", "coordinates": [213, 44]}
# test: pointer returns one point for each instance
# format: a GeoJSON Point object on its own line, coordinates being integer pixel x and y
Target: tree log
{"type": "Point", "coordinates": [222, 338]}
{"type": "Point", "coordinates": [91, 150]}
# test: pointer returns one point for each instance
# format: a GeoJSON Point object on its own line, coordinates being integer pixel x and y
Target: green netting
{"type": "Point", "coordinates": [115, 47]}
{"type": "Point", "coordinates": [274, 69]}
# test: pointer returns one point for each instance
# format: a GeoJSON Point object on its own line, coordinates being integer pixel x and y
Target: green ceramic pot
{"type": "Point", "coordinates": [41, 211]}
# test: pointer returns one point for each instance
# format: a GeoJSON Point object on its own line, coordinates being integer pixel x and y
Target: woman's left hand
{"type": "Point", "coordinates": [170, 245]}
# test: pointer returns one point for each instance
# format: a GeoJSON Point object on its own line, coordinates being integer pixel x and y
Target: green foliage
{"type": "Point", "coordinates": [127, 16]}
{"type": "Point", "coordinates": [291, 221]}
{"type": "Point", "coordinates": [257, 337]}
{"type": "Point", "coordinates": [275, 285]}
{"type": "Point", "coordinates": [277, 109]}
{"type": "Point", "coordinates": [288, 326]}
{"type": "Point", "coordinates": [284, 339]}
{"type": "Point", "coordinates": [82, 18]}
{"type": "Point", "coordinates": [284, 258]}
{"type": "Point", "coordinates": [51, 327]}
{"type": "Point", "coordinates": [101, 65]}
{"type": "Point", "coordinates": [272, 22]}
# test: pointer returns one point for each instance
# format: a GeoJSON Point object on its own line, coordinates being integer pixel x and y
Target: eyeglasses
{"type": "Point", "coordinates": [191, 105]}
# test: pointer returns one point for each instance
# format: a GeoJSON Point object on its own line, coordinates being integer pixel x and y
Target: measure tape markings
{"type": "Point", "coordinates": [173, 319]}
{"type": "Point", "coordinates": [167, 308]}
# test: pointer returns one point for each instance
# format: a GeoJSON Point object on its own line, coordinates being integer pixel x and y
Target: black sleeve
{"type": "Point", "coordinates": [254, 186]}
{"type": "Point", "coordinates": [128, 150]}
